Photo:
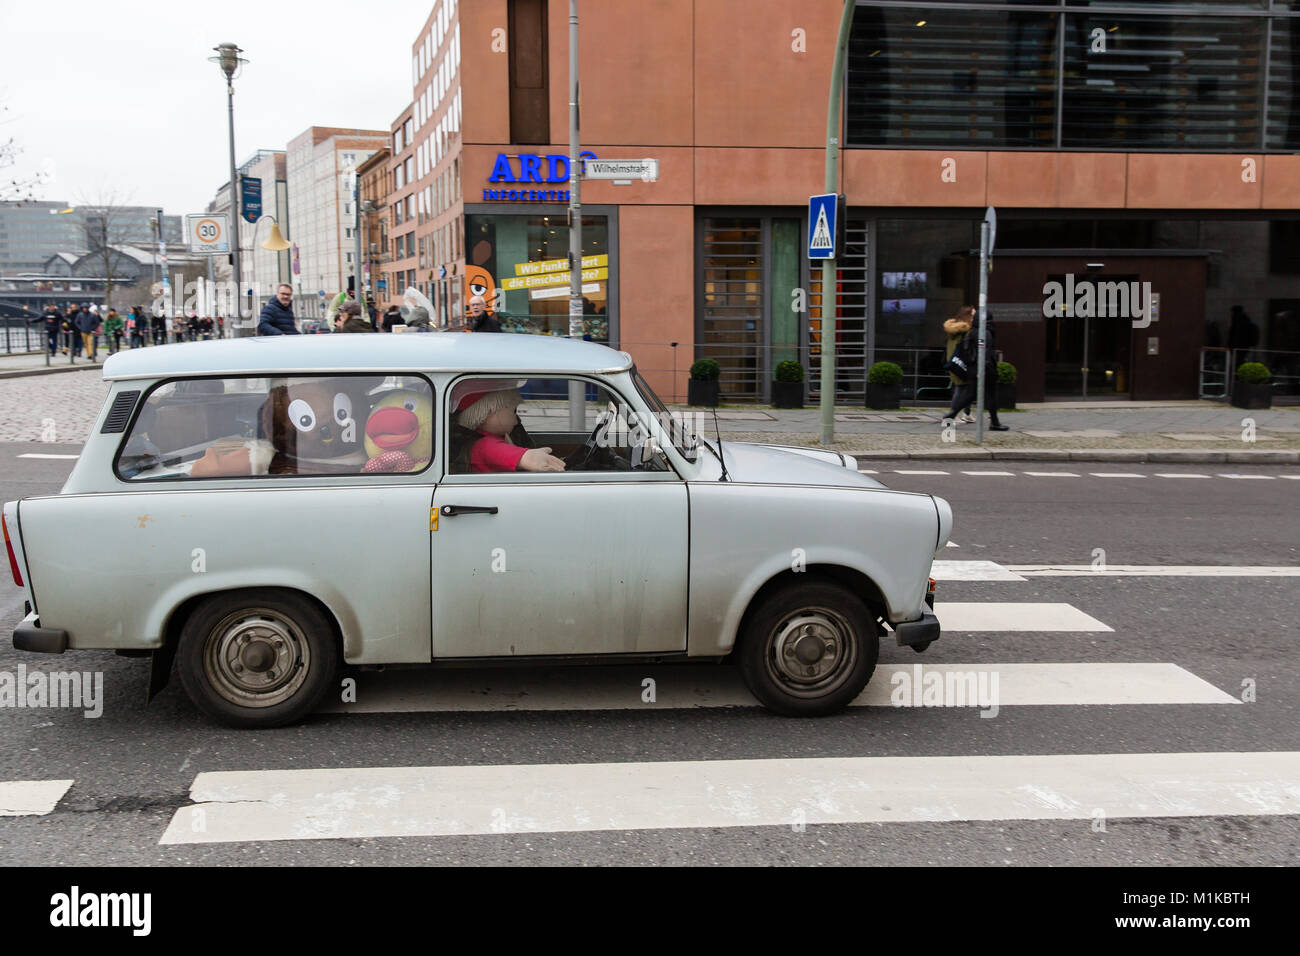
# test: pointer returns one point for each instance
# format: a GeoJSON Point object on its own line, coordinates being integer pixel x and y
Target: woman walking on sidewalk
{"type": "Point", "coordinates": [968, 351]}
{"type": "Point", "coordinates": [956, 328]}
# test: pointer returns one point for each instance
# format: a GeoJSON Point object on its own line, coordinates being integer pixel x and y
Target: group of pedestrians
{"type": "Point", "coordinates": [277, 316]}
{"type": "Point", "coordinates": [77, 328]}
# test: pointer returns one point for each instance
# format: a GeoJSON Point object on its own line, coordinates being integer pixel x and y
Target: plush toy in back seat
{"type": "Point", "coordinates": [307, 428]}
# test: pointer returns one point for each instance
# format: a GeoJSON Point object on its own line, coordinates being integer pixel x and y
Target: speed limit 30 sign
{"type": "Point", "coordinates": [208, 233]}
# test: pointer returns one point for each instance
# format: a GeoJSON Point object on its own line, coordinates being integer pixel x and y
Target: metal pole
{"type": "Point", "coordinates": [983, 340]}
{"type": "Point", "coordinates": [235, 212]}
{"type": "Point", "coordinates": [356, 234]}
{"type": "Point", "coordinates": [577, 393]}
{"type": "Point", "coordinates": [828, 310]}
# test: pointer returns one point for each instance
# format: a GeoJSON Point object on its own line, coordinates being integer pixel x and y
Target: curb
{"type": "Point", "coordinates": [1137, 455]}
{"type": "Point", "coordinates": [50, 370]}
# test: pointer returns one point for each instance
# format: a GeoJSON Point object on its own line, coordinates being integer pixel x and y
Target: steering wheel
{"type": "Point", "coordinates": [592, 455]}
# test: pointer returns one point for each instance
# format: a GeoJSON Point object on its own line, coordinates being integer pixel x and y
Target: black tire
{"type": "Point", "coordinates": [791, 625]}
{"type": "Point", "coordinates": [287, 657]}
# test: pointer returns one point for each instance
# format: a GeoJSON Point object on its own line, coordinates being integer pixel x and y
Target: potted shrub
{"type": "Point", "coordinates": [884, 385]}
{"type": "Point", "coordinates": [787, 388]}
{"type": "Point", "coordinates": [1251, 388]}
{"type": "Point", "coordinates": [702, 389]}
{"type": "Point", "coordinates": [1006, 385]}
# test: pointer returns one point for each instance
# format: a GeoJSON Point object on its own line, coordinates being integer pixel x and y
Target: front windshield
{"type": "Point", "coordinates": [683, 438]}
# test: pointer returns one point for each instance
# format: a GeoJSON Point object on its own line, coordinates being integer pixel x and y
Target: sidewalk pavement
{"type": "Point", "coordinates": [1191, 431]}
{"type": "Point", "coordinates": [1188, 431]}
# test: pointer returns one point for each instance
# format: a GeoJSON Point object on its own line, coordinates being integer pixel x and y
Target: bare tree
{"type": "Point", "coordinates": [22, 188]}
{"type": "Point", "coordinates": [107, 234]}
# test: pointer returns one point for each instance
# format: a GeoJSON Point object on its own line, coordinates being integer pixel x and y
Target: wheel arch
{"type": "Point", "coordinates": [851, 579]}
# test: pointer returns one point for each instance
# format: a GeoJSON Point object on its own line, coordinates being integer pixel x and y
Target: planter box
{"type": "Point", "coordinates": [883, 396]}
{"type": "Point", "coordinates": [1252, 396]}
{"type": "Point", "coordinates": [1007, 396]}
{"type": "Point", "coordinates": [787, 394]}
{"type": "Point", "coordinates": [702, 392]}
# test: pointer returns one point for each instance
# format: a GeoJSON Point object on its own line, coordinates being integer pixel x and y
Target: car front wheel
{"type": "Point", "coordinates": [258, 658]}
{"type": "Point", "coordinates": [809, 650]}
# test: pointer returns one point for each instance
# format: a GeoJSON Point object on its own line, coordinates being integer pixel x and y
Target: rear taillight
{"type": "Point", "coordinates": [13, 558]}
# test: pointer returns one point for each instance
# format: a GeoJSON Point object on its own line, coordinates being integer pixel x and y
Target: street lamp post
{"type": "Point", "coordinates": [231, 63]}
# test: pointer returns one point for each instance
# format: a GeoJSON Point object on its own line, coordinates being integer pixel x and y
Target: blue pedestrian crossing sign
{"type": "Point", "coordinates": [821, 226]}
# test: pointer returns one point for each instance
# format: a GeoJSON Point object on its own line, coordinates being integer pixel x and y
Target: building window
{"type": "Point", "coordinates": [529, 71]}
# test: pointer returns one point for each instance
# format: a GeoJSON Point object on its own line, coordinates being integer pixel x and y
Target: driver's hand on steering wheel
{"type": "Point", "coordinates": [540, 459]}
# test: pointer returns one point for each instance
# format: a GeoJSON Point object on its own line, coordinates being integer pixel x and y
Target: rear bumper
{"type": "Point", "coordinates": [30, 636]}
{"type": "Point", "coordinates": [912, 633]}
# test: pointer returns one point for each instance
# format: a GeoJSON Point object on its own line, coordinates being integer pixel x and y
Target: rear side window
{"type": "Point", "coordinates": [280, 426]}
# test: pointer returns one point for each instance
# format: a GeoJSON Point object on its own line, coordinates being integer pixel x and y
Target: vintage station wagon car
{"type": "Point", "coordinates": [255, 512]}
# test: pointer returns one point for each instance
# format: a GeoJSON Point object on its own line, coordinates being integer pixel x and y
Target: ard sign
{"type": "Point", "coordinates": [208, 234]}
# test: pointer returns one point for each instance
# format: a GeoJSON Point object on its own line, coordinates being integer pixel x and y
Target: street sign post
{"type": "Point", "coordinates": [623, 171]}
{"type": "Point", "coordinates": [821, 225]}
{"type": "Point", "coordinates": [208, 234]}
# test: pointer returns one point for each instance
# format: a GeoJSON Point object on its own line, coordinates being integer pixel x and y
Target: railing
{"type": "Point", "coordinates": [21, 336]}
{"type": "Point", "coordinates": [1218, 370]}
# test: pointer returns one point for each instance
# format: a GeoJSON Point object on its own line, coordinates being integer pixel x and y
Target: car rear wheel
{"type": "Point", "coordinates": [257, 658]}
{"type": "Point", "coordinates": [809, 650]}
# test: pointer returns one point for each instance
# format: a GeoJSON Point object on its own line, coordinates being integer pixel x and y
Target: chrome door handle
{"type": "Point", "coordinates": [450, 511]}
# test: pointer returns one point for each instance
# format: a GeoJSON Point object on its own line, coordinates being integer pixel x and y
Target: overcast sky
{"type": "Point", "coordinates": [119, 96]}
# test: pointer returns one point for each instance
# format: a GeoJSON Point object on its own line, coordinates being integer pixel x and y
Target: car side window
{"type": "Point", "coordinates": [280, 426]}
{"type": "Point", "coordinates": [523, 425]}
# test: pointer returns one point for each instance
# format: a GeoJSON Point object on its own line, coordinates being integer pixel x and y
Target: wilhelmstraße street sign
{"type": "Point", "coordinates": [821, 226]}
{"type": "Point", "coordinates": [208, 234]}
{"type": "Point", "coordinates": [623, 170]}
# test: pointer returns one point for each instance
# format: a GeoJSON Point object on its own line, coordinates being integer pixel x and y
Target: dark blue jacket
{"type": "Point", "coordinates": [276, 320]}
{"type": "Point", "coordinates": [85, 321]}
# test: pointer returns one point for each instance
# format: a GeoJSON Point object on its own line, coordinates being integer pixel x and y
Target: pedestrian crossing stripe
{"type": "Point", "coordinates": [821, 237]}
{"type": "Point", "coordinates": [979, 685]}
{"type": "Point", "coordinates": [22, 798]}
{"type": "Point", "coordinates": [395, 802]}
{"type": "Point", "coordinates": [942, 570]}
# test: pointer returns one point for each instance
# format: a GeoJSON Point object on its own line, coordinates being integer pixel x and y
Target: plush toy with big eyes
{"type": "Point", "coordinates": [399, 432]}
{"type": "Point", "coordinates": [311, 428]}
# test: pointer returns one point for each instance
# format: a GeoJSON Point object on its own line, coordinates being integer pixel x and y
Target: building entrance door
{"type": "Point", "coordinates": [1089, 355]}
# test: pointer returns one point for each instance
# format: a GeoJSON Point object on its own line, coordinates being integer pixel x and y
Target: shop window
{"type": "Point", "coordinates": [520, 263]}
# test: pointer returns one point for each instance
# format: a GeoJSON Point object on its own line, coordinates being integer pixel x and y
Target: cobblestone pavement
{"type": "Point", "coordinates": [51, 408]}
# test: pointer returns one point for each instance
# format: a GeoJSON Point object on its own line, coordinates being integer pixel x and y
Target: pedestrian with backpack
{"type": "Point", "coordinates": [965, 363]}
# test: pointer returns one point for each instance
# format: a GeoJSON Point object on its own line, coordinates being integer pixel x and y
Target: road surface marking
{"type": "Point", "coordinates": [952, 544]}
{"type": "Point", "coordinates": [488, 690]}
{"type": "Point", "coordinates": [1051, 474]}
{"type": "Point", "coordinates": [36, 455]}
{"type": "Point", "coordinates": [1154, 570]}
{"type": "Point", "coordinates": [971, 571]}
{"type": "Point", "coordinates": [1015, 616]}
{"type": "Point", "coordinates": [1180, 474]}
{"type": "Point", "coordinates": [867, 471]}
{"type": "Point", "coordinates": [370, 802]}
{"type": "Point", "coordinates": [1006, 474]}
{"type": "Point", "coordinates": [24, 798]}
{"type": "Point", "coordinates": [1115, 474]}
{"type": "Point", "coordinates": [900, 472]}
{"type": "Point", "coordinates": [1255, 477]}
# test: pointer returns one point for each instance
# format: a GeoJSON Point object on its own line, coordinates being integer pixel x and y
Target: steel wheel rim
{"type": "Point", "coordinates": [256, 657]}
{"type": "Point", "coordinates": [811, 652]}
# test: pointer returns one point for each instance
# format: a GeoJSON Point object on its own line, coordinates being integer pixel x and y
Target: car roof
{"type": "Point", "coordinates": [376, 352]}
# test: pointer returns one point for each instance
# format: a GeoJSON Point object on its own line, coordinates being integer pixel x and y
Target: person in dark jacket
{"type": "Point", "coordinates": [483, 320]}
{"type": "Point", "coordinates": [277, 314]}
{"type": "Point", "coordinates": [392, 317]}
{"type": "Point", "coordinates": [350, 311]}
{"type": "Point", "coordinates": [52, 322]}
{"type": "Point", "coordinates": [956, 329]}
{"type": "Point", "coordinates": [87, 323]}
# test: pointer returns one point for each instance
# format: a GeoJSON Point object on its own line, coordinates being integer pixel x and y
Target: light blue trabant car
{"type": "Point", "coordinates": [255, 512]}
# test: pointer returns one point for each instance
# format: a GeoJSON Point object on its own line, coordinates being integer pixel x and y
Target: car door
{"type": "Point", "coordinates": [567, 563]}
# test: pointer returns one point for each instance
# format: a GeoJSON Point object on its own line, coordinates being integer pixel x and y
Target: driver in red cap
{"type": "Point", "coordinates": [492, 415]}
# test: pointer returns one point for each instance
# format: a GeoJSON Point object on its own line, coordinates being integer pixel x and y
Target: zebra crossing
{"type": "Point", "coordinates": [361, 802]}
{"type": "Point", "coordinates": [1065, 473]}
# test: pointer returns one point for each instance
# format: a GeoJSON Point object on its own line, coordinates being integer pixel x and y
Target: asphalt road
{"type": "Point", "coordinates": [133, 768]}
